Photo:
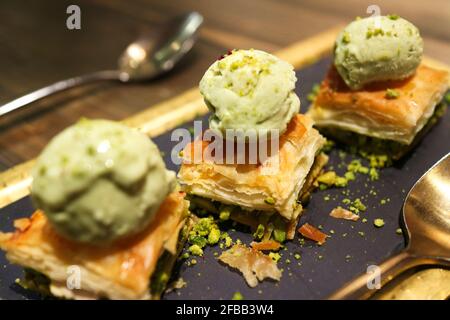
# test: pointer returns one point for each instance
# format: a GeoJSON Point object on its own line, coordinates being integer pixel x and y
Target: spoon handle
{"type": "Point", "coordinates": [364, 286]}
{"type": "Point", "coordinates": [58, 87]}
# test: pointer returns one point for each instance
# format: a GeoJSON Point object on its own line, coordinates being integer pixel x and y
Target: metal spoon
{"type": "Point", "coordinates": [426, 215]}
{"type": "Point", "coordinates": [143, 59]}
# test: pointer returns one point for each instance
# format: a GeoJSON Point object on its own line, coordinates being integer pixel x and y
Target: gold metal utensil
{"type": "Point", "coordinates": [426, 215]}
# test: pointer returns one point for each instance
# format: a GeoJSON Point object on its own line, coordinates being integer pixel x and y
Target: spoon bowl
{"type": "Point", "coordinates": [426, 216]}
{"type": "Point", "coordinates": [427, 212]}
{"type": "Point", "coordinates": [149, 57]}
{"type": "Point", "coordinates": [144, 59]}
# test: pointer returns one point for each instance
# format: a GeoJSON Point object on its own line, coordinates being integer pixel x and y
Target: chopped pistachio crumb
{"type": "Point", "coordinates": [399, 231]}
{"type": "Point", "coordinates": [225, 213]}
{"type": "Point", "coordinates": [373, 173]}
{"type": "Point", "coordinates": [269, 200]}
{"type": "Point", "coordinates": [332, 231]}
{"type": "Point", "coordinates": [288, 261]}
{"type": "Point", "coordinates": [378, 222]}
{"type": "Point", "coordinates": [312, 95]}
{"type": "Point", "coordinates": [275, 256]}
{"type": "Point", "coordinates": [346, 38]}
{"type": "Point", "coordinates": [359, 205]}
{"type": "Point", "coordinates": [193, 261]}
{"type": "Point", "coordinates": [228, 242]}
{"type": "Point", "coordinates": [197, 240]}
{"type": "Point", "coordinates": [341, 182]}
{"type": "Point", "coordinates": [259, 233]}
{"type": "Point", "coordinates": [185, 255]}
{"type": "Point", "coordinates": [237, 296]}
{"type": "Point", "coordinates": [214, 236]}
{"type": "Point", "coordinates": [378, 31]}
{"type": "Point", "coordinates": [349, 175]}
{"type": "Point", "coordinates": [330, 178]}
{"type": "Point", "coordinates": [393, 16]}
{"type": "Point", "coordinates": [327, 178]}
{"type": "Point", "coordinates": [354, 166]}
{"type": "Point", "coordinates": [391, 94]}
{"type": "Point", "coordinates": [196, 250]}
{"type": "Point", "coordinates": [279, 235]}
{"type": "Point", "coordinates": [42, 170]}
{"type": "Point", "coordinates": [447, 98]}
{"type": "Point", "coordinates": [361, 233]}
{"type": "Point", "coordinates": [297, 256]}
{"type": "Point", "coordinates": [364, 220]}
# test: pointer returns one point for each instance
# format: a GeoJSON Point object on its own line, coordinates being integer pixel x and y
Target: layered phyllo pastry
{"type": "Point", "coordinates": [110, 219]}
{"type": "Point", "coordinates": [378, 94]}
{"type": "Point", "coordinates": [253, 90]}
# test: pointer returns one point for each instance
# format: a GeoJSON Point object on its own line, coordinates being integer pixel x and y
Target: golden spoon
{"type": "Point", "coordinates": [426, 215]}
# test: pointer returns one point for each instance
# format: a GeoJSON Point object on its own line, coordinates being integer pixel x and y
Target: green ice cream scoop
{"type": "Point", "coordinates": [377, 49]}
{"type": "Point", "coordinates": [250, 89]}
{"type": "Point", "coordinates": [99, 181]}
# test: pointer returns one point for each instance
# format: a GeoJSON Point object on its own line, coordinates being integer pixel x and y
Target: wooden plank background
{"type": "Point", "coordinates": [36, 49]}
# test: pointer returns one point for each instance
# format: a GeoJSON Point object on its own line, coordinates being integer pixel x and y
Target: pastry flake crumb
{"type": "Point", "coordinates": [310, 232]}
{"type": "Point", "coordinates": [254, 265]}
{"type": "Point", "coordinates": [341, 213]}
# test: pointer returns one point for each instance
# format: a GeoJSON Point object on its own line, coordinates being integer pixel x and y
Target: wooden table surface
{"type": "Point", "coordinates": [37, 49]}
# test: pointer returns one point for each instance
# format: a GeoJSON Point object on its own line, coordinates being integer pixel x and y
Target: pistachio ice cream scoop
{"type": "Point", "coordinates": [250, 89]}
{"type": "Point", "coordinates": [99, 181]}
{"type": "Point", "coordinates": [377, 49]}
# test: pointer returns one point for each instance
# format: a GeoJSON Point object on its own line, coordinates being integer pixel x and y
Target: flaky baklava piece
{"type": "Point", "coordinates": [378, 94]}
{"type": "Point", "coordinates": [268, 193]}
{"type": "Point", "coordinates": [111, 219]}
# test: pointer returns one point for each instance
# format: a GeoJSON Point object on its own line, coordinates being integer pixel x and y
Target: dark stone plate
{"type": "Point", "coordinates": [321, 269]}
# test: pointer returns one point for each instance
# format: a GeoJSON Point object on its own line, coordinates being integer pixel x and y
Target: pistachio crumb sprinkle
{"type": "Point", "coordinates": [378, 222]}
{"type": "Point", "coordinates": [391, 94]}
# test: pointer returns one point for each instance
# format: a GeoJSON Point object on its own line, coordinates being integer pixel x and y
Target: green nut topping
{"type": "Point", "coordinates": [214, 236]}
{"type": "Point", "coordinates": [196, 250]}
{"type": "Point", "coordinates": [391, 94]}
{"type": "Point", "coordinates": [225, 213]}
{"type": "Point", "coordinates": [275, 256]}
{"type": "Point", "coordinates": [237, 296]}
{"type": "Point", "coordinates": [259, 233]}
{"type": "Point", "coordinates": [378, 223]}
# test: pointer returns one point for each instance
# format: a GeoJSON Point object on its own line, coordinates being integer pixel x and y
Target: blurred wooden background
{"type": "Point", "coordinates": [36, 49]}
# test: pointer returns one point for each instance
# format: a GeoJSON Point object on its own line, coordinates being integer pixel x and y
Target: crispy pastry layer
{"type": "Point", "coordinates": [119, 271]}
{"type": "Point", "coordinates": [370, 113]}
{"type": "Point", "coordinates": [280, 177]}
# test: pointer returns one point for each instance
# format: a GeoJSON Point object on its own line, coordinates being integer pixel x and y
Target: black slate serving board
{"type": "Point", "coordinates": [321, 269]}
